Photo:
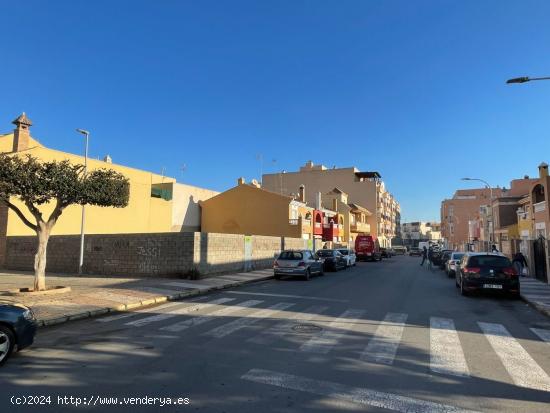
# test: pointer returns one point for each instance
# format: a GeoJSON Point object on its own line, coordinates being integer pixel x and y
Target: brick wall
{"type": "Point", "coordinates": [160, 254]}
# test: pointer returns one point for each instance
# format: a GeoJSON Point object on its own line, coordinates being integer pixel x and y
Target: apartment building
{"type": "Point", "coordinates": [460, 212]}
{"type": "Point", "coordinates": [363, 188]}
{"type": "Point", "coordinates": [414, 232]}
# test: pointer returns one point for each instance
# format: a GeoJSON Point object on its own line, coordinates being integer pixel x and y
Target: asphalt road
{"type": "Point", "coordinates": [387, 336]}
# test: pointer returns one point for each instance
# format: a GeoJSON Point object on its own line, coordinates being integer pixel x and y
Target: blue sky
{"type": "Point", "coordinates": [412, 89]}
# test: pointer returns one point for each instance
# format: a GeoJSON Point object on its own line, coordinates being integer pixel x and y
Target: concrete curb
{"type": "Point", "coordinates": [541, 308]}
{"type": "Point", "coordinates": [144, 303]}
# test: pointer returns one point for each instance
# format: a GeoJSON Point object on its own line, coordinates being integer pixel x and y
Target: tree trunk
{"type": "Point", "coordinates": [43, 234]}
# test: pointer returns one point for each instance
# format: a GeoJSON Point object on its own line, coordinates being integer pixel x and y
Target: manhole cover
{"type": "Point", "coordinates": [306, 328]}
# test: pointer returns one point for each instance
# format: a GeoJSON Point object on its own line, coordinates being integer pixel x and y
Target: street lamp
{"type": "Point", "coordinates": [492, 212]}
{"type": "Point", "coordinates": [81, 260]}
{"type": "Point", "coordinates": [525, 79]}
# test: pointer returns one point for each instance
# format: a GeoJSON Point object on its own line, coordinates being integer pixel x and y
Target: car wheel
{"type": "Point", "coordinates": [308, 274]}
{"type": "Point", "coordinates": [277, 276]}
{"type": "Point", "coordinates": [462, 290]}
{"type": "Point", "coordinates": [7, 342]}
{"type": "Point", "coordinates": [321, 272]}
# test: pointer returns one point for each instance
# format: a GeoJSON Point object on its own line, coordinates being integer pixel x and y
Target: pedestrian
{"type": "Point", "coordinates": [424, 254]}
{"type": "Point", "coordinates": [520, 263]}
{"type": "Point", "coordinates": [430, 257]}
{"type": "Point", "coordinates": [494, 249]}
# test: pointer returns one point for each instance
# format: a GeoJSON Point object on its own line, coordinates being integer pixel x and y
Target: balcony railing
{"type": "Point", "coordinates": [360, 227]}
{"type": "Point", "coordinates": [539, 207]}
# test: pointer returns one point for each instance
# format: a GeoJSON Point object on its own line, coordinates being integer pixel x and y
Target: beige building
{"type": "Point", "coordinates": [365, 189]}
{"type": "Point", "coordinates": [250, 210]}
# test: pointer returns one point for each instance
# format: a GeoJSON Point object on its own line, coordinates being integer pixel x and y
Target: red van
{"type": "Point", "coordinates": [367, 247]}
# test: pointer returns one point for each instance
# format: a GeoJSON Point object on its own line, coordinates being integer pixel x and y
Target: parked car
{"type": "Point", "coordinates": [400, 250]}
{"type": "Point", "coordinates": [367, 247]}
{"type": "Point", "coordinates": [349, 255]}
{"type": "Point", "coordinates": [415, 252]}
{"type": "Point", "coordinates": [452, 263]}
{"type": "Point", "coordinates": [486, 272]}
{"type": "Point", "coordinates": [332, 260]}
{"type": "Point", "coordinates": [17, 328]}
{"type": "Point", "coordinates": [437, 256]}
{"type": "Point", "coordinates": [442, 258]}
{"type": "Point", "coordinates": [302, 263]}
{"type": "Point", "coordinates": [385, 252]}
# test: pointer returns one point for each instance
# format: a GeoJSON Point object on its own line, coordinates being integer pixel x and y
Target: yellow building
{"type": "Point", "coordinates": [149, 210]}
{"type": "Point", "coordinates": [250, 210]}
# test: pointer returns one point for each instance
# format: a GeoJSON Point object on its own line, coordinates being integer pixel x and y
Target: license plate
{"type": "Point", "coordinates": [286, 269]}
{"type": "Point", "coordinates": [495, 286]}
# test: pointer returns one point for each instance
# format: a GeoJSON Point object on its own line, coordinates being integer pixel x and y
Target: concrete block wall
{"type": "Point", "coordinates": [264, 250]}
{"type": "Point", "coordinates": [158, 254]}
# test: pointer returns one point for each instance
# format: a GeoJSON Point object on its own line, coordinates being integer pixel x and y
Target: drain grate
{"type": "Point", "coordinates": [306, 328]}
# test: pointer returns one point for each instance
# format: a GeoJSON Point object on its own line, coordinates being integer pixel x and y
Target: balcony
{"type": "Point", "coordinates": [360, 227]}
{"type": "Point", "coordinates": [540, 206]}
{"type": "Point", "coordinates": [318, 228]}
{"type": "Point", "coordinates": [332, 231]}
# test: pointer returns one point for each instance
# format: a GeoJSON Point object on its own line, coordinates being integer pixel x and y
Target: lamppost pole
{"type": "Point", "coordinates": [83, 221]}
{"type": "Point", "coordinates": [525, 79]}
{"type": "Point", "coordinates": [492, 235]}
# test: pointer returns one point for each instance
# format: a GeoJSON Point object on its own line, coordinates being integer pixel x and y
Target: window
{"type": "Point", "coordinates": [291, 255]}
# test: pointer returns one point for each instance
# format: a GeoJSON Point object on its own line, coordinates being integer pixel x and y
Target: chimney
{"type": "Point", "coordinates": [255, 183]}
{"type": "Point", "coordinates": [108, 159]}
{"type": "Point", "coordinates": [21, 134]}
{"type": "Point", "coordinates": [241, 181]}
{"type": "Point", "coordinates": [335, 204]}
{"type": "Point", "coordinates": [302, 193]}
{"type": "Point", "coordinates": [318, 201]}
{"type": "Point", "coordinates": [543, 170]}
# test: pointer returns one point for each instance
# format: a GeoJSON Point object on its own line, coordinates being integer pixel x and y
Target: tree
{"type": "Point", "coordinates": [36, 183]}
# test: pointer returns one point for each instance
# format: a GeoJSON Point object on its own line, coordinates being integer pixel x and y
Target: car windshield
{"type": "Point", "coordinates": [291, 255]}
{"type": "Point", "coordinates": [324, 253]}
{"type": "Point", "coordinates": [489, 261]}
{"type": "Point", "coordinates": [344, 252]}
{"type": "Point", "coordinates": [457, 256]}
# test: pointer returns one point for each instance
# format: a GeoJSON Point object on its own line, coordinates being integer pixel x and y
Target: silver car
{"type": "Point", "coordinates": [349, 255]}
{"type": "Point", "coordinates": [452, 263]}
{"type": "Point", "coordinates": [302, 263]}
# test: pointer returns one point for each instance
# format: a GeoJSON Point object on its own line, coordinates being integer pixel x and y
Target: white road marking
{"type": "Point", "coordinates": [324, 341]}
{"type": "Point", "coordinates": [251, 318]}
{"type": "Point", "coordinates": [383, 346]}
{"type": "Point", "coordinates": [525, 371]}
{"type": "Point", "coordinates": [306, 297]}
{"type": "Point", "coordinates": [195, 321]}
{"type": "Point", "coordinates": [544, 335]}
{"type": "Point", "coordinates": [284, 327]}
{"type": "Point", "coordinates": [178, 311]}
{"type": "Point", "coordinates": [361, 396]}
{"type": "Point", "coordinates": [141, 311]}
{"type": "Point", "coordinates": [446, 355]}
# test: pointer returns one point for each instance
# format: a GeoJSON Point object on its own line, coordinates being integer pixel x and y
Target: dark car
{"type": "Point", "coordinates": [444, 257]}
{"type": "Point", "coordinates": [17, 328]}
{"type": "Point", "coordinates": [415, 252]}
{"type": "Point", "coordinates": [302, 263]}
{"type": "Point", "coordinates": [386, 252]}
{"type": "Point", "coordinates": [486, 272]}
{"type": "Point", "coordinates": [332, 260]}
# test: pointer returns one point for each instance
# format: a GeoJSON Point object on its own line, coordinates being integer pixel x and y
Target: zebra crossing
{"type": "Point", "coordinates": [376, 342]}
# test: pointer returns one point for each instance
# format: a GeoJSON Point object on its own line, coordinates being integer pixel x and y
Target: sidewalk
{"type": "Point", "coordinates": [92, 296]}
{"type": "Point", "coordinates": [536, 293]}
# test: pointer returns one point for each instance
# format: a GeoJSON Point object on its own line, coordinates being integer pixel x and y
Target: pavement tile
{"type": "Point", "coordinates": [92, 296]}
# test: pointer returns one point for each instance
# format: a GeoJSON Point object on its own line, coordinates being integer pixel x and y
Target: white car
{"type": "Point", "coordinates": [452, 263]}
{"type": "Point", "coordinates": [349, 255]}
